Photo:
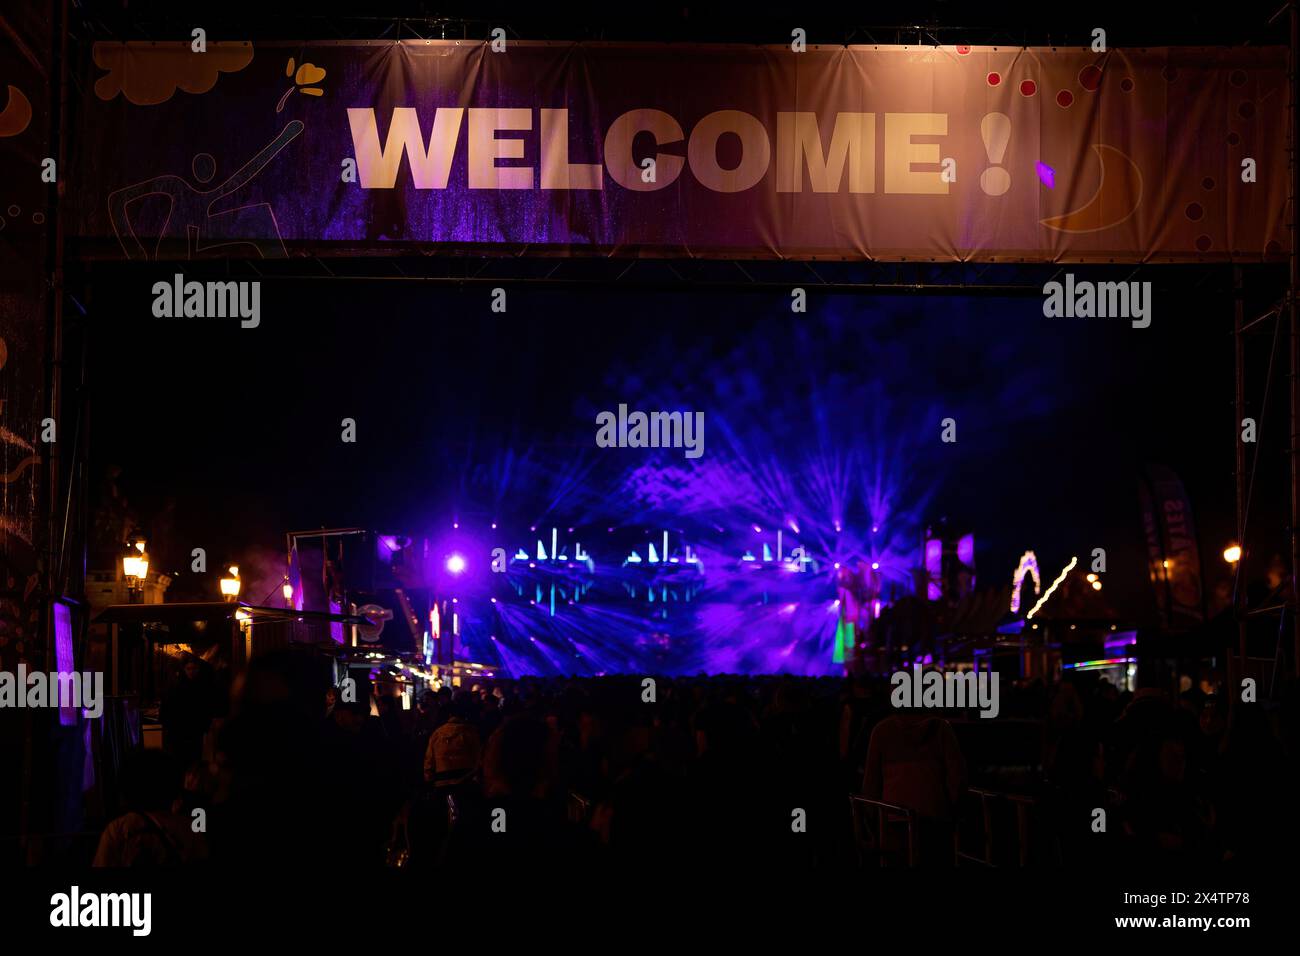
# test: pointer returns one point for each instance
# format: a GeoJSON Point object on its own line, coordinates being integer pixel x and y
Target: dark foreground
{"type": "Point", "coordinates": [753, 771]}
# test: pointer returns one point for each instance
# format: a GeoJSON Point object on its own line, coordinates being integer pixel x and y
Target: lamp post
{"type": "Point", "coordinates": [230, 585]}
{"type": "Point", "coordinates": [135, 568]}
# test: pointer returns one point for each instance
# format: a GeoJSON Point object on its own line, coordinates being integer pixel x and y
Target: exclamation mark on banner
{"type": "Point", "coordinates": [995, 130]}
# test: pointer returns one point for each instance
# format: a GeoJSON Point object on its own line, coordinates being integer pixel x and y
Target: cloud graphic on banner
{"type": "Point", "coordinates": [150, 73]}
{"type": "Point", "coordinates": [17, 113]}
{"type": "Point", "coordinates": [1117, 197]}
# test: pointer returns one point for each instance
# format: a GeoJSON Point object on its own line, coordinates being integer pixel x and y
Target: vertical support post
{"type": "Point", "coordinates": [115, 665]}
{"type": "Point", "coordinates": [1293, 288]}
{"type": "Point", "coordinates": [51, 482]}
{"type": "Point", "coordinates": [1239, 407]}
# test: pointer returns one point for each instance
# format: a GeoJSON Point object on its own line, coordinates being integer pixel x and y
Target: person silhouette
{"type": "Point", "coordinates": [192, 217]}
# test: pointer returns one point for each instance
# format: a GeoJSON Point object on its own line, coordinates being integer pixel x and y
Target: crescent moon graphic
{"type": "Point", "coordinates": [1117, 197]}
{"type": "Point", "coordinates": [17, 114]}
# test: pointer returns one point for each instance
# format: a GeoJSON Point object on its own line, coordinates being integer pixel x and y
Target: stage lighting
{"type": "Point", "coordinates": [1232, 553]}
{"type": "Point", "coordinates": [455, 564]}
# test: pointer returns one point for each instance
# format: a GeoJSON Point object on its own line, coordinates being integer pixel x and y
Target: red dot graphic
{"type": "Point", "coordinates": [994, 79]}
{"type": "Point", "coordinates": [1028, 88]}
{"type": "Point", "coordinates": [1064, 99]}
{"type": "Point", "coordinates": [1090, 78]}
{"type": "Point", "coordinates": [963, 49]}
{"type": "Point", "coordinates": [1126, 84]}
{"type": "Point", "coordinates": [1203, 243]}
{"type": "Point", "coordinates": [1194, 211]}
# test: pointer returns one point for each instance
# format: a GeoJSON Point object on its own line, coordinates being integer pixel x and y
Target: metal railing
{"type": "Point", "coordinates": [873, 842]}
{"type": "Point", "coordinates": [579, 809]}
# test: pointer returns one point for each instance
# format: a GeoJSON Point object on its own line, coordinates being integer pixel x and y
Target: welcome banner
{"type": "Point", "coordinates": [864, 152]}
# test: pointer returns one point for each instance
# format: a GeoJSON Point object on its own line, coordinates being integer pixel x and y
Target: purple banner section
{"type": "Point", "coordinates": [935, 153]}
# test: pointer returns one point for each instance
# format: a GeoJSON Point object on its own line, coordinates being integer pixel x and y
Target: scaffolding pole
{"type": "Point", "coordinates": [1293, 290]}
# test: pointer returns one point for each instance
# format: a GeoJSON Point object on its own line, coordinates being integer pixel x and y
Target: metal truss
{"type": "Point", "coordinates": [1192, 282]}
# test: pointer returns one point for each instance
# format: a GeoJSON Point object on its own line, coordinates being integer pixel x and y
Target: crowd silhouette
{"type": "Point", "coordinates": [749, 771]}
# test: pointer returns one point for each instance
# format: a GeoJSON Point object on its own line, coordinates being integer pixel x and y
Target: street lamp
{"type": "Point", "coordinates": [135, 568]}
{"type": "Point", "coordinates": [230, 585]}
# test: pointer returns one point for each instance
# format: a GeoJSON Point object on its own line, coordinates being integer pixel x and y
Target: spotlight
{"type": "Point", "coordinates": [455, 564]}
{"type": "Point", "coordinates": [1232, 553]}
